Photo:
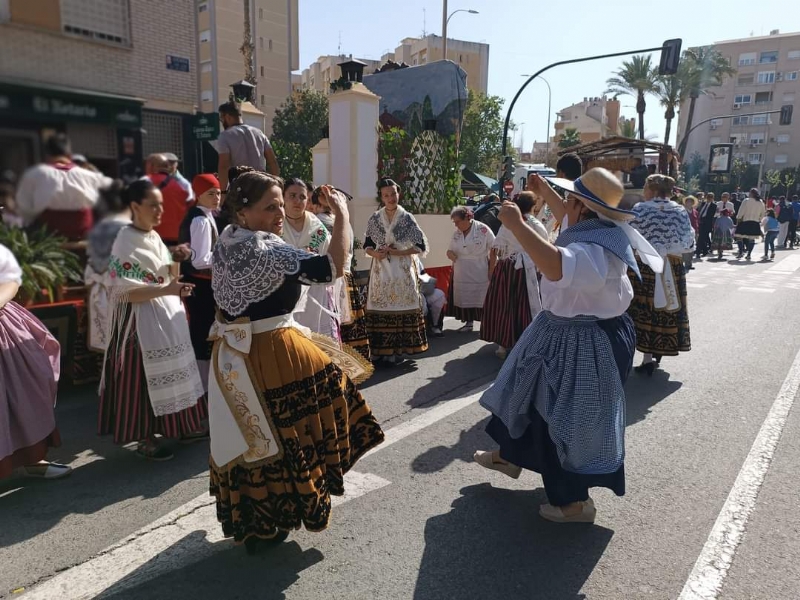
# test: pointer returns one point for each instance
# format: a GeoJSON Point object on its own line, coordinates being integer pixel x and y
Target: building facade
{"type": "Point", "coordinates": [118, 76]}
{"type": "Point", "coordinates": [274, 33]}
{"type": "Point", "coordinates": [767, 78]}
{"type": "Point", "coordinates": [470, 56]}
{"type": "Point", "coordinates": [594, 118]}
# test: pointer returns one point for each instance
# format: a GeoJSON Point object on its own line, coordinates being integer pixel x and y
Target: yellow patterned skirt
{"type": "Point", "coordinates": [324, 426]}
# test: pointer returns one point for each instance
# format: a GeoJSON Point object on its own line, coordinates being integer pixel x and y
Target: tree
{"type": "Point", "coordinates": [672, 91]}
{"type": "Point", "coordinates": [785, 178]}
{"type": "Point", "coordinates": [481, 142]}
{"type": "Point", "coordinates": [571, 137]}
{"type": "Point", "coordinates": [635, 78]}
{"type": "Point", "coordinates": [628, 128]}
{"type": "Point", "coordinates": [704, 68]}
{"type": "Point", "coordinates": [296, 128]}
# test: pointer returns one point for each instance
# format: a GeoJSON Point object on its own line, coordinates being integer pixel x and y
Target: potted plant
{"type": "Point", "coordinates": [46, 266]}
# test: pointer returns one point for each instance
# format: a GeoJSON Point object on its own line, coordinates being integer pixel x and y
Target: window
{"type": "Point", "coordinates": [739, 138]}
{"type": "Point", "coordinates": [260, 14]}
{"type": "Point", "coordinates": [755, 158]}
{"type": "Point", "coordinates": [763, 97]}
{"type": "Point", "coordinates": [765, 77]}
{"type": "Point", "coordinates": [5, 11]}
{"type": "Point", "coordinates": [164, 133]}
{"type": "Point", "coordinates": [741, 120]}
{"type": "Point", "coordinates": [205, 66]}
{"type": "Point", "coordinates": [760, 120]}
{"type": "Point", "coordinates": [781, 159]}
{"type": "Point", "coordinates": [742, 99]}
{"type": "Point", "coordinates": [205, 36]}
{"type": "Point", "coordinates": [791, 76]}
{"type": "Point", "coordinates": [261, 43]}
{"type": "Point", "coordinates": [768, 57]}
{"type": "Point", "coordinates": [262, 100]}
{"type": "Point", "coordinates": [788, 96]}
{"type": "Point", "coordinates": [748, 79]}
{"type": "Point", "coordinates": [262, 71]}
{"type": "Point", "coordinates": [101, 20]}
{"type": "Point", "coordinates": [270, 45]}
{"type": "Point", "coordinates": [747, 58]}
{"type": "Point", "coordinates": [714, 123]}
{"type": "Point", "coordinates": [793, 55]}
{"type": "Point", "coordinates": [202, 7]}
{"type": "Point", "coordinates": [460, 58]}
{"type": "Point", "coordinates": [757, 138]}
{"type": "Point", "coordinates": [206, 95]}
{"type": "Point", "coordinates": [782, 138]}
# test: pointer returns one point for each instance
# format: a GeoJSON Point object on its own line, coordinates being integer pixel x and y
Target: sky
{"type": "Point", "coordinates": [526, 35]}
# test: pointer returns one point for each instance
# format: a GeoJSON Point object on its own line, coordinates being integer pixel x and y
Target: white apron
{"type": "Point", "coordinates": [471, 268]}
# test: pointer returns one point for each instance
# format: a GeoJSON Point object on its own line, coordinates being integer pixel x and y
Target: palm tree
{"type": "Point", "coordinates": [571, 137]}
{"type": "Point", "coordinates": [704, 68]}
{"type": "Point", "coordinates": [671, 92]}
{"type": "Point", "coordinates": [628, 128]}
{"type": "Point", "coordinates": [635, 78]}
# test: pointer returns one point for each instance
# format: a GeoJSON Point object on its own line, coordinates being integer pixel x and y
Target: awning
{"type": "Point", "coordinates": [43, 102]}
{"type": "Point", "coordinates": [475, 182]}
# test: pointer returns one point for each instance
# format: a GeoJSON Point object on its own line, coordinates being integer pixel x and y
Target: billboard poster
{"type": "Point", "coordinates": [721, 158]}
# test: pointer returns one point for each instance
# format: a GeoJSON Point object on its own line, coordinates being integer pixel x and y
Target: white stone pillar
{"type": "Point", "coordinates": [353, 155]}
{"type": "Point", "coordinates": [321, 161]}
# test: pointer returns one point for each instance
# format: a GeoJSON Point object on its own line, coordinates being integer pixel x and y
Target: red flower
{"type": "Point", "coordinates": [127, 266]}
{"type": "Point", "coordinates": [160, 280]}
{"type": "Point", "coordinates": [149, 277]}
{"type": "Point", "coordinates": [113, 274]}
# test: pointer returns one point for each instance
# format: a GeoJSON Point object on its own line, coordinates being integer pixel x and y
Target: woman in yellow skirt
{"type": "Point", "coordinates": [287, 422]}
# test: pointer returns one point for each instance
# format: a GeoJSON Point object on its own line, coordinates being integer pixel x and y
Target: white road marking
{"type": "Point", "coordinates": [698, 286]}
{"type": "Point", "coordinates": [787, 265]}
{"type": "Point", "coordinates": [761, 290]}
{"type": "Point", "coordinates": [709, 572]}
{"type": "Point", "coordinates": [157, 548]}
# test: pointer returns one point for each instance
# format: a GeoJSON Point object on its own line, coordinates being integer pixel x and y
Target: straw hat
{"type": "Point", "coordinates": [600, 191]}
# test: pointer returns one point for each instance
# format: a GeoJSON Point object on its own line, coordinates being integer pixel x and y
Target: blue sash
{"type": "Point", "coordinates": [602, 233]}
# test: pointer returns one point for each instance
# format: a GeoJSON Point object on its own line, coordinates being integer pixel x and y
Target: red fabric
{"type": "Point", "coordinates": [204, 182]}
{"type": "Point", "coordinates": [72, 224]}
{"type": "Point", "coordinates": [175, 206]}
{"type": "Point", "coordinates": [443, 276]}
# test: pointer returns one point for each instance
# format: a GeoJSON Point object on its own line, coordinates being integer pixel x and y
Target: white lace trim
{"type": "Point", "coordinates": [248, 266]}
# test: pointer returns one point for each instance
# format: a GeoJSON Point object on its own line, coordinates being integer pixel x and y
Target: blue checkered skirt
{"type": "Point", "coordinates": [566, 370]}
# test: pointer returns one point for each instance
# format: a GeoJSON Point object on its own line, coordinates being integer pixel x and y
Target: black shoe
{"type": "Point", "coordinates": [254, 544]}
{"type": "Point", "coordinates": [748, 257]}
{"type": "Point", "coordinates": [647, 368]}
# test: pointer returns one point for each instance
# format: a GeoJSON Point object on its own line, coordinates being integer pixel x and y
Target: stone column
{"type": "Point", "coordinates": [321, 160]}
{"type": "Point", "coordinates": [353, 155]}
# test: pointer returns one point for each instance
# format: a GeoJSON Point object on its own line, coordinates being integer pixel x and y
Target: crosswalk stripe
{"type": "Point", "coordinates": [761, 290]}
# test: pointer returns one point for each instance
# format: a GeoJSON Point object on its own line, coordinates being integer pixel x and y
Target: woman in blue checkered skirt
{"type": "Point", "coordinates": [558, 405]}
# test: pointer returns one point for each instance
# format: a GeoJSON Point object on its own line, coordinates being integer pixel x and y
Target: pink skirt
{"type": "Point", "coordinates": [29, 370]}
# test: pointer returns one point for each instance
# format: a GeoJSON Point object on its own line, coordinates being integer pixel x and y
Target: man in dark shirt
{"type": "Point", "coordinates": [707, 212]}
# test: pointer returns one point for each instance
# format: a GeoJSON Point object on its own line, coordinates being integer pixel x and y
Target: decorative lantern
{"type": "Point", "coordinates": [243, 91]}
{"type": "Point", "coordinates": [353, 70]}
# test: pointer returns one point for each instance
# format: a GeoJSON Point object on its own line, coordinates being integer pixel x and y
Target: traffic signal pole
{"type": "Point", "coordinates": [682, 147]}
{"type": "Point", "coordinates": [671, 47]}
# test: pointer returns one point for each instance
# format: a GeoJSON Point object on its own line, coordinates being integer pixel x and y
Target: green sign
{"type": "Point", "coordinates": [205, 127]}
{"type": "Point", "coordinates": [50, 106]}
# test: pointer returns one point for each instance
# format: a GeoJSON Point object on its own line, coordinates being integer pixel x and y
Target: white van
{"type": "Point", "coordinates": [522, 171]}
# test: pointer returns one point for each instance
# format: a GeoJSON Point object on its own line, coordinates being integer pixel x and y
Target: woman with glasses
{"type": "Point", "coordinates": [151, 385]}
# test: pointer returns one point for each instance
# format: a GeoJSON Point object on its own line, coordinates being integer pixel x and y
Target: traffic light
{"type": "Point", "coordinates": [670, 57]}
{"type": "Point", "coordinates": [786, 114]}
{"type": "Point", "coordinates": [508, 168]}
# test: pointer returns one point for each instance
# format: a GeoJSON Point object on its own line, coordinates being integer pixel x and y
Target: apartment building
{"type": "Point", "coordinates": [471, 56]}
{"type": "Point", "coordinates": [274, 32]}
{"type": "Point", "coordinates": [594, 118]}
{"type": "Point", "coordinates": [767, 78]}
{"type": "Point", "coordinates": [118, 76]}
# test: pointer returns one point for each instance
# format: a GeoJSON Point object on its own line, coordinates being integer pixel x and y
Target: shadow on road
{"type": "Point", "coordinates": [643, 393]}
{"type": "Point", "coordinates": [229, 573]}
{"type": "Point", "coordinates": [492, 545]}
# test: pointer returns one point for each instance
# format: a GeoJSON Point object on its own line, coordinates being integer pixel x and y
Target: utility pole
{"type": "Point", "coordinates": [444, 29]}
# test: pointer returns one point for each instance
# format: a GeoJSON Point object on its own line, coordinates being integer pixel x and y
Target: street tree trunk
{"type": "Point", "coordinates": [669, 115]}
{"type": "Point", "coordinates": [689, 119]}
{"type": "Point", "coordinates": [641, 105]}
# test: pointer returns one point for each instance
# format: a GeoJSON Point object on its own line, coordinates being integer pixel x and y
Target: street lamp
{"type": "Point", "coordinates": [446, 19]}
{"type": "Point", "coordinates": [549, 108]}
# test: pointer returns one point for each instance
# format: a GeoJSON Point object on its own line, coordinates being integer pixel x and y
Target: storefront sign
{"type": "Point", "coordinates": [177, 63]}
{"type": "Point", "coordinates": [205, 127]}
{"type": "Point", "coordinates": [53, 106]}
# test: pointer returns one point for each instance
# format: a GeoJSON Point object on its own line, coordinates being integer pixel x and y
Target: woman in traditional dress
{"type": "Point", "coordinates": [722, 236]}
{"type": "Point", "coordinates": [512, 300]}
{"type": "Point", "coordinates": [395, 321]}
{"type": "Point", "coordinates": [199, 231]}
{"type": "Point", "coordinates": [470, 250]}
{"type": "Point", "coordinates": [748, 223]}
{"type": "Point", "coordinates": [29, 369]}
{"type": "Point", "coordinates": [558, 404]}
{"type": "Point", "coordinates": [98, 251]}
{"type": "Point", "coordinates": [151, 385]}
{"type": "Point", "coordinates": [351, 304]}
{"type": "Point", "coordinates": [286, 422]}
{"type": "Point", "coordinates": [659, 307]}
{"type": "Point", "coordinates": [317, 308]}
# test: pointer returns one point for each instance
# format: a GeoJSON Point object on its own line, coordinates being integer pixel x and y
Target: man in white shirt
{"type": "Point", "coordinates": [58, 194]}
{"type": "Point", "coordinates": [725, 204]}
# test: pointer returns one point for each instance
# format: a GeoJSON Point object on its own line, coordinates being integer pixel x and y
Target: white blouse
{"type": "Point", "coordinates": [9, 267]}
{"type": "Point", "coordinates": [594, 282]}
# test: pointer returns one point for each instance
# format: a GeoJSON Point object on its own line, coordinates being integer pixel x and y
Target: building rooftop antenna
{"type": "Point", "coordinates": [339, 51]}
{"type": "Point", "coordinates": [424, 23]}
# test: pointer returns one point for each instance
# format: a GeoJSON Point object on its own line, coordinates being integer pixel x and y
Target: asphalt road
{"type": "Point", "coordinates": [424, 521]}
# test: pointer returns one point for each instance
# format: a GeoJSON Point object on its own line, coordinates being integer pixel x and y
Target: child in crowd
{"type": "Point", "coordinates": [722, 236]}
{"type": "Point", "coordinates": [771, 228]}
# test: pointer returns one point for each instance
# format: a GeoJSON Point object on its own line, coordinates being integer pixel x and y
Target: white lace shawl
{"type": "Point", "coordinates": [248, 266]}
{"type": "Point", "coordinates": [403, 230]}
